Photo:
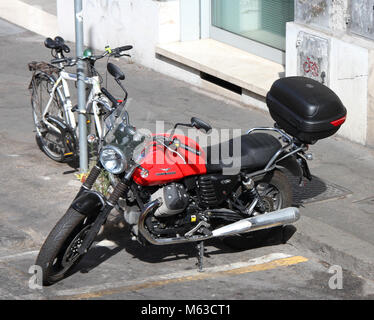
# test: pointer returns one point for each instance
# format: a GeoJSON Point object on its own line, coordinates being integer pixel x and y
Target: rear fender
{"type": "Point", "coordinates": [41, 74]}
{"type": "Point", "coordinates": [292, 165]}
{"type": "Point", "coordinates": [297, 165]}
{"type": "Point", "coordinates": [88, 203]}
{"type": "Point", "coordinates": [67, 135]}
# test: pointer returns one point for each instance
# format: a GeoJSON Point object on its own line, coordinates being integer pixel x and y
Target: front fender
{"type": "Point", "coordinates": [88, 203]}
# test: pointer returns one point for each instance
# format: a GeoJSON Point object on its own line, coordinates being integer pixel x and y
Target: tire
{"type": "Point", "coordinates": [49, 141]}
{"type": "Point", "coordinates": [276, 191]}
{"type": "Point", "coordinates": [65, 237]}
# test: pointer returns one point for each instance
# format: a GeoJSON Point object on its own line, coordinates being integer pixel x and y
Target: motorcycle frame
{"type": "Point", "coordinates": [94, 204]}
{"type": "Point", "coordinates": [271, 165]}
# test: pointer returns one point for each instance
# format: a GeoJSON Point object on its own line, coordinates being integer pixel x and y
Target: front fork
{"type": "Point", "coordinates": [105, 208]}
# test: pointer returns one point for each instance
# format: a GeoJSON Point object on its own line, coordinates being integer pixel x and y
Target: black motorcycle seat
{"type": "Point", "coordinates": [256, 151]}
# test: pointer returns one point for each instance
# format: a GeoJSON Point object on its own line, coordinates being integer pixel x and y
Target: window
{"type": "Point", "coordinates": [258, 26]}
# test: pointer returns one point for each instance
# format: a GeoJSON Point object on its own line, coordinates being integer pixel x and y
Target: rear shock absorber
{"type": "Point", "coordinates": [249, 184]}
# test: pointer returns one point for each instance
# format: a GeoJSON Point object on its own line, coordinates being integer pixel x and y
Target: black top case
{"type": "Point", "coordinates": [305, 108]}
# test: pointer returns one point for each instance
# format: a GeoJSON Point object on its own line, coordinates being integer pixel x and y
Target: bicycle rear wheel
{"type": "Point", "coordinates": [48, 138]}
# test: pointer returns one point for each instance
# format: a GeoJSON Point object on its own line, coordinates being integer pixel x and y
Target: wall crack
{"type": "Point", "coordinates": [355, 77]}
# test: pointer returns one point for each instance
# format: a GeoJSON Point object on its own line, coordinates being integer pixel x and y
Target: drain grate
{"type": "Point", "coordinates": [316, 190]}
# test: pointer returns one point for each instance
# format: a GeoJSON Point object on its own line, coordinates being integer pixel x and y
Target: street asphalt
{"type": "Point", "coordinates": [35, 192]}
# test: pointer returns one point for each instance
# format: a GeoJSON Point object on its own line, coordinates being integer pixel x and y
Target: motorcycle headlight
{"type": "Point", "coordinates": [113, 159]}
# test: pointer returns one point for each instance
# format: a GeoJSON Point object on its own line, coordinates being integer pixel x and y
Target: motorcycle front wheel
{"type": "Point", "coordinates": [276, 193]}
{"type": "Point", "coordinates": [59, 252]}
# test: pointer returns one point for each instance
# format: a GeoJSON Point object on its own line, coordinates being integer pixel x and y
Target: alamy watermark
{"type": "Point", "coordinates": [36, 280]}
{"type": "Point", "coordinates": [336, 281]}
{"type": "Point", "coordinates": [224, 145]}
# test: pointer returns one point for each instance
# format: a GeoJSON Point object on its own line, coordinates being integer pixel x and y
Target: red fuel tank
{"type": "Point", "coordinates": [160, 165]}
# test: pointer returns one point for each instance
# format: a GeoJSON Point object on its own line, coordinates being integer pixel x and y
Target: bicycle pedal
{"type": "Point", "coordinates": [68, 154]}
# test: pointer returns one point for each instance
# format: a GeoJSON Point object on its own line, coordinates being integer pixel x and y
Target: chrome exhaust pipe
{"type": "Point", "coordinates": [148, 208]}
{"type": "Point", "coordinates": [264, 221]}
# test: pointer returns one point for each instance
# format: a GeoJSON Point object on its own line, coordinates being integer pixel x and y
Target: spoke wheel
{"type": "Point", "coordinates": [49, 139]}
{"type": "Point", "coordinates": [276, 193]}
{"type": "Point", "coordinates": [271, 196]}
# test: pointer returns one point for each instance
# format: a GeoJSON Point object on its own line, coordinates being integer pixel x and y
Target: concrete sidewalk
{"type": "Point", "coordinates": [340, 230]}
{"type": "Point", "coordinates": [38, 16]}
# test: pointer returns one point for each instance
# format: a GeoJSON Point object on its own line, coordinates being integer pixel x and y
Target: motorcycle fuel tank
{"type": "Point", "coordinates": [161, 165]}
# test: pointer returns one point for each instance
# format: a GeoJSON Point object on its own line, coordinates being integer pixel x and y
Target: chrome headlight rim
{"type": "Point", "coordinates": [122, 162]}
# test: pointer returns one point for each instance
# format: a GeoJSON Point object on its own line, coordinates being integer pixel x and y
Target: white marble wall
{"type": "Point", "coordinates": [142, 23]}
{"type": "Point", "coordinates": [348, 75]}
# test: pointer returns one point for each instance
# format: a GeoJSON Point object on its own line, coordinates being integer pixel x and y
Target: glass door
{"type": "Point", "coordinates": [258, 26]}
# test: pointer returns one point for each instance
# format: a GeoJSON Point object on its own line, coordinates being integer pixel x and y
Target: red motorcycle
{"type": "Point", "coordinates": [171, 190]}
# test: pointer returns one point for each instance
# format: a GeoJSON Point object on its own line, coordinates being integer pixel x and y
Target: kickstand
{"type": "Point", "coordinates": [200, 255]}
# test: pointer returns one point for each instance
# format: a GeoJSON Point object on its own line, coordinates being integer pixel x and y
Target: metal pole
{"type": "Point", "coordinates": [82, 121]}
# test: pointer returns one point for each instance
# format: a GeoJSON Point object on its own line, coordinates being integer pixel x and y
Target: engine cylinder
{"type": "Point", "coordinates": [174, 200]}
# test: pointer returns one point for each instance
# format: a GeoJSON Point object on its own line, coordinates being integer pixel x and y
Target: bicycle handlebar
{"type": "Point", "coordinates": [109, 96]}
{"type": "Point", "coordinates": [116, 52]}
{"type": "Point", "coordinates": [68, 61]}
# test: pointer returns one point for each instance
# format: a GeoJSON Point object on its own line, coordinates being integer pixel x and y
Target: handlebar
{"type": "Point", "coordinates": [124, 48]}
{"type": "Point", "coordinates": [109, 96]}
{"type": "Point", "coordinates": [116, 52]}
{"type": "Point", "coordinates": [68, 61]}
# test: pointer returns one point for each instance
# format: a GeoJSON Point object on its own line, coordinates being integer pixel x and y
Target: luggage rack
{"type": "Point", "coordinates": [43, 66]}
{"type": "Point", "coordinates": [275, 129]}
{"type": "Point", "coordinates": [289, 142]}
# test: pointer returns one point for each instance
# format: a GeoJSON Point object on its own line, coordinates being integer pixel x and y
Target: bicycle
{"type": "Point", "coordinates": [54, 119]}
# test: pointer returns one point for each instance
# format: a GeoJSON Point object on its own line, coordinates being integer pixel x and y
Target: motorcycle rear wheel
{"type": "Point", "coordinates": [276, 191]}
{"type": "Point", "coordinates": [58, 254]}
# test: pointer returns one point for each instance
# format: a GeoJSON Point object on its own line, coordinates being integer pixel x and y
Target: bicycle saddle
{"type": "Point", "coordinates": [58, 43]}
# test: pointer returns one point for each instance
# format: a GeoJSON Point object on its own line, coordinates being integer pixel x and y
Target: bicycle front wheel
{"type": "Point", "coordinates": [48, 138]}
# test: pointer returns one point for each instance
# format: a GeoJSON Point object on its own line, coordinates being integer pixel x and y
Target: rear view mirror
{"type": "Point", "coordinates": [200, 124]}
{"type": "Point", "coordinates": [115, 71]}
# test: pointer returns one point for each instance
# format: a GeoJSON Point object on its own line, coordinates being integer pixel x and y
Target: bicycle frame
{"type": "Point", "coordinates": [62, 88]}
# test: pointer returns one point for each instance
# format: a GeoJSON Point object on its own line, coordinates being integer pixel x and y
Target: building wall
{"type": "Point", "coordinates": [141, 23]}
{"type": "Point", "coordinates": [331, 41]}
{"type": "Point", "coordinates": [333, 38]}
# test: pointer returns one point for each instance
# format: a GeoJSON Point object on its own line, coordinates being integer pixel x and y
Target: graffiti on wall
{"type": "Point", "coordinates": [311, 67]}
{"type": "Point", "coordinates": [313, 57]}
{"type": "Point", "coordinates": [313, 12]}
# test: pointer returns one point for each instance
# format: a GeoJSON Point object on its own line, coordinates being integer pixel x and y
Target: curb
{"type": "Point", "coordinates": [29, 17]}
{"type": "Point", "coordinates": [342, 249]}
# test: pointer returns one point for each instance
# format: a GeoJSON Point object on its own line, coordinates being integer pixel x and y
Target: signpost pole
{"type": "Point", "coordinates": [82, 121]}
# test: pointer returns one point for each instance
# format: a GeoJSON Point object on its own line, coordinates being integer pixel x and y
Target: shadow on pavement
{"type": "Point", "coordinates": [159, 254]}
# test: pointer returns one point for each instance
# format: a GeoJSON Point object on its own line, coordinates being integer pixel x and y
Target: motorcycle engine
{"type": "Point", "coordinates": [174, 200]}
